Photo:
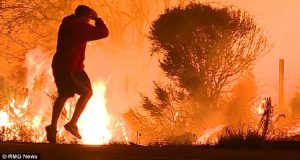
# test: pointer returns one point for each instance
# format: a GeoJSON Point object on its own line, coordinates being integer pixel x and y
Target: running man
{"type": "Point", "coordinates": [68, 68]}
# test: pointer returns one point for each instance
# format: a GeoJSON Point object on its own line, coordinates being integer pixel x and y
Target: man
{"type": "Point", "coordinates": [67, 65]}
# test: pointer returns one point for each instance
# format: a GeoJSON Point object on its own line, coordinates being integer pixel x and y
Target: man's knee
{"type": "Point", "coordinates": [62, 97]}
{"type": "Point", "coordinates": [88, 93]}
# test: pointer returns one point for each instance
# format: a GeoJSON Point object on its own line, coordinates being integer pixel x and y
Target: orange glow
{"type": "Point", "coordinates": [94, 121]}
{"type": "Point", "coordinates": [138, 70]}
{"type": "Point", "coordinates": [257, 107]}
{"type": "Point", "coordinates": [207, 136]}
{"type": "Point", "coordinates": [4, 119]}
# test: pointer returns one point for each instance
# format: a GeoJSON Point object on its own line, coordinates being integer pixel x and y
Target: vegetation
{"type": "Point", "coordinates": [204, 50]}
{"type": "Point", "coordinates": [240, 137]}
{"type": "Point", "coordinates": [245, 136]}
{"type": "Point", "coordinates": [240, 103]}
{"type": "Point", "coordinates": [26, 24]}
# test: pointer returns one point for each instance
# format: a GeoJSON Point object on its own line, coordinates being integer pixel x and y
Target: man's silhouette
{"type": "Point", "coordinates": [67, 65]}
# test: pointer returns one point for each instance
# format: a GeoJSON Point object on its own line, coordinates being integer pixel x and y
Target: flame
{"type": "Point", "coordinates": [4, 119]}
{"type": "Point", "coordinates": [120, 132]}
{"type": "Point", "coordinates": [16, 122]}
{"type": "Point", "coordinates": [31, 114]}
{"type": "Point", "coordinates": [257, 107]}
{"type": "Point", "coordinates": [176, 116]}
{"type": "Point", "coordinates": [260, 108]}
{"type": "Point", "coordinates": [295, 130]}
{"type": "Point", "coordinates": [18, 109]}
{"type": "Point", "coordinates": [95, 120]}
{"type": "Point", "coordinates": [206, 137]}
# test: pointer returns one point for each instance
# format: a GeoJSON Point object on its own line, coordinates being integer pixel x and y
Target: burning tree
{"type": "Point", "coordinates": [204, 49]}
{"type": "Point", "coordinates": [26, 24]}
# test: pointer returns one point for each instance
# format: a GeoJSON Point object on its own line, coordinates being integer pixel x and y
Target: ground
{"type": "Point", "coordinates": [123, 152]}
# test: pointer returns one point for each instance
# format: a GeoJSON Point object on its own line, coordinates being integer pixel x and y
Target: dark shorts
{"type": "Point", "coordinates": [69, 83]}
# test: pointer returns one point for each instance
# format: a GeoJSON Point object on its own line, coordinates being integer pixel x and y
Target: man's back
{"type": "Point", "coordinates": [71, 44]}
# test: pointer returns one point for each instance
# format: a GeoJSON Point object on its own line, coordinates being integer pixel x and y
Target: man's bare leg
{"type": "Point", "coordinates": [80, 105]}
{"type": "Point", "coordinates": [57, 107]}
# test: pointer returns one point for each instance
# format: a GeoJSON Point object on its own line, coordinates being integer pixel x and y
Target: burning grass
{"type": "Point", "coordinates": [25, 114]}
{"type": "Point", "coordinates": [263, 135]}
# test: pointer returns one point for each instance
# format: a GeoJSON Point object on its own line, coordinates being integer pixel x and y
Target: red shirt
{"type": "Point", "coordinates": [72, 38]}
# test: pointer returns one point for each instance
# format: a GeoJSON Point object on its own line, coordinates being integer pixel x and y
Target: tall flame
{"type": "Point", "coordinates": [33, 113]}
{"type": "Point", "coordinates": [94, 121]}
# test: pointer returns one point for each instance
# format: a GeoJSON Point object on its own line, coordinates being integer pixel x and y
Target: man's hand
{"type": "Point", "coordinates": [94, 15]}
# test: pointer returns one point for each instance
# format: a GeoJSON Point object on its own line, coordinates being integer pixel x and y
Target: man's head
{"type": "Point", "coordinates": [84, 12]}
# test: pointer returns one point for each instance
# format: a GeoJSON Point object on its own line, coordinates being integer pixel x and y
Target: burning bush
{"type": "Point", "coordinates": [203, 50]}
{"type": "Point", "coordinates": [19, 125]}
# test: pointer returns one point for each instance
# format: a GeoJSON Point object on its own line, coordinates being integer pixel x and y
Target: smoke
{"type": "Point", "coordinates": [239, 107]}
{"type": "Point", "coordinates": [39, 81]}
{"type": "Point", "coordinates": [127, 69]}
{"type": "Point", "coordinates": [125, 72]}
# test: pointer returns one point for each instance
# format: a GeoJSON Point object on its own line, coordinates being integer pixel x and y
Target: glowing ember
{"type": "Point", "coordinates": [94, 121]}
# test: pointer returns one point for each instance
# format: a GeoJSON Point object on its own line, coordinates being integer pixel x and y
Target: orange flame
{"type": "Point", "coordinates": [4, 119]}
{"type": "Point", "coordinates": [206, 137]}
{"type": "Point", "coordinates": [94, 124]}
{"type": "Point", "coordinates": [257, 107]}
{"type": "Point", "coordinates": [95, 120]}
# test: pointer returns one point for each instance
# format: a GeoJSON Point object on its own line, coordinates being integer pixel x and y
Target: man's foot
{"type": "Point", "coordinates": [73, 129]}
{"type": "Point", "coordinates": [51, 134]}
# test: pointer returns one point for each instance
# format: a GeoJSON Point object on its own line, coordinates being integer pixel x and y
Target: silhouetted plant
{"type": "Point", "coordinates": [254, 137]}
{"type": "Point", "coordinates": [268, 119]}
{"type": "Point", "coordinates": [241, 137]}
{"type": "Point", "coordinates": [203, 50]}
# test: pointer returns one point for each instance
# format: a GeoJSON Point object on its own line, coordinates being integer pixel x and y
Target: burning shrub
{"type": "Point", "coordinates": [20, 126]}
{"type": "Point", "coordinates": [203, 50]}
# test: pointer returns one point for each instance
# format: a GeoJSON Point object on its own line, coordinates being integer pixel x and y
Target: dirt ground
{"type": "Point", "coordinates": [122, 152]}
